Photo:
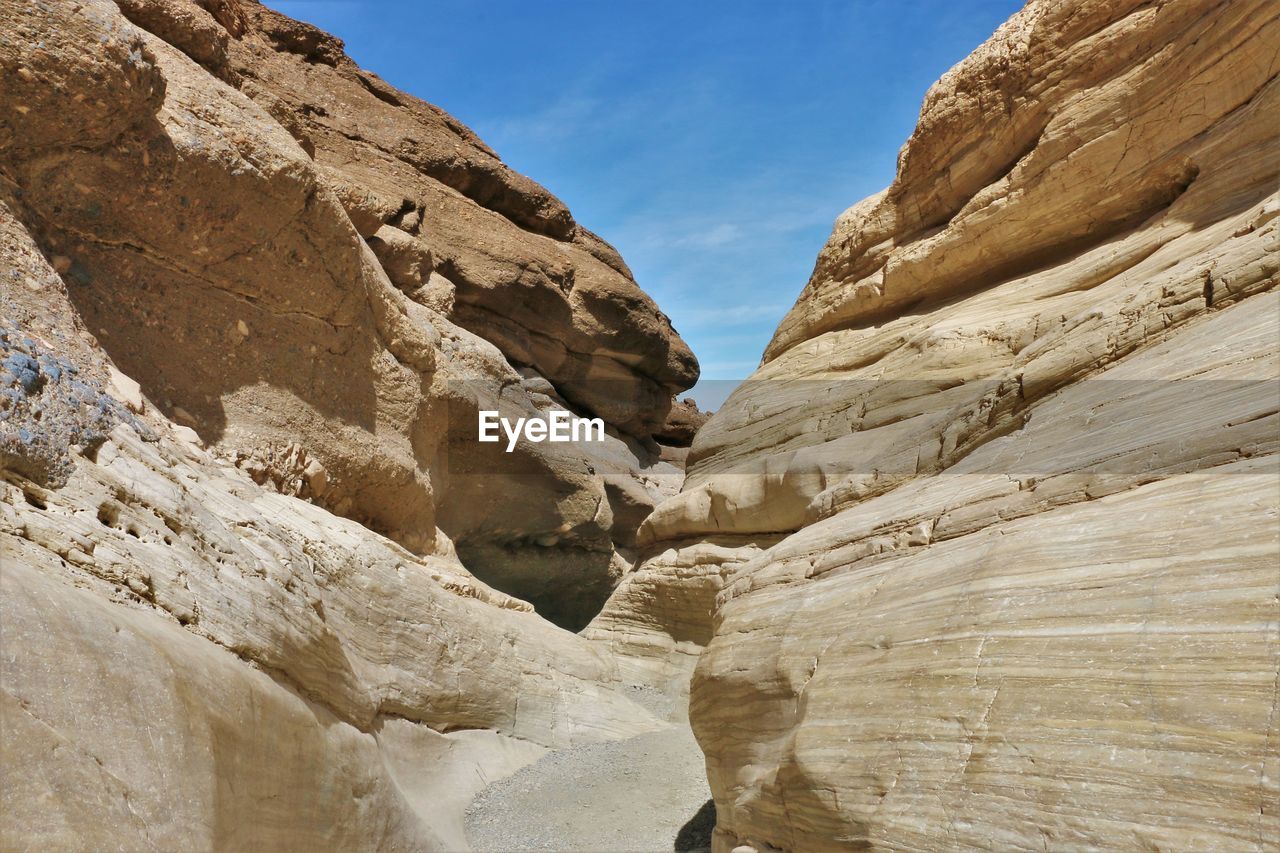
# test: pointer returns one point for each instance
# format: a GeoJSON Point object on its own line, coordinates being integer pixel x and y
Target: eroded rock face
{"type": "Point", "coordinates": [309, 268]}
{"type": "Point", "coordinates": [521, 273]}
{"type": "Point", "coordinates": [995, 543]}
{"type": "Point", "coordinates": [251, 299]}
{"type": "Point", "coordinates": [195, 661]}
{"type": "Point", "coordinates": [984, 555]}
{"type": "Point", "coordinates": [682, 424]}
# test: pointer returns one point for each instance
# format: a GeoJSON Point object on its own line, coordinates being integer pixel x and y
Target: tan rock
{"type": "Point", "coordinates": [221, 401]}
{"type": "Point", "coordinates": [984, 555]}
{"type": "Point", "coordinates": [1035, 617]}
{"type": "Point", "coordinates": [126, 390]}
{"type": "Point", "coordinates": [224, 270]}
{"type": "Point", "coordinates": [187, 26]}
{"type": "Point", "coordinates": [550, 294]}
{"type": "Point", "coordinates": [197, 661]}
{"type": "Point", "coordinates": [366, 210]}
{"type": "Point", "coordinates": [658, 620]}
{"type": "Point", "coordinates": [1015, 447]}
{"type": "Point", "coordinates": [405, 258]}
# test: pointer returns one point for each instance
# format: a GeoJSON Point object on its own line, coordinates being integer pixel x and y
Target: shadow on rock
{"type": "Point", "coordinates": [695, 835]}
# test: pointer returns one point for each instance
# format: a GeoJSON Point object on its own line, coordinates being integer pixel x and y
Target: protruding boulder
{"type": "Point", "coordinates": [406, 258]}
{"type": "Point", "coordinates": [682, 423]}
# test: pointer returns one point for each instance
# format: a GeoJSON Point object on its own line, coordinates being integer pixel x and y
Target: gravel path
{"type": "Point", "coordinates": [648, 793]}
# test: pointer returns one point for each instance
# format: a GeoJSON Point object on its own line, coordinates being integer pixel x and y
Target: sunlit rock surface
{"type": "Point", "coordinates": [251, 299]}
{"type": "Point", "coordinates": [995, 557]}
{"type": "Point", "coordinates": [309, 268]}
{"type": "Point", "coordinates": [985, 555]}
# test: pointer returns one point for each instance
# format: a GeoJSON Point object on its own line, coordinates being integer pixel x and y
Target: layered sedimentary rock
{"type": "Point", "coordinates": [251, 300]}
{"type": "Point", "coordinates": [223, 665]}
{"type": "Point", "coordinates": [317, 272]}
{"type": "Point", "coordinates": [995, 554]}
{"type": "Point", "coordinates": [984, 555]}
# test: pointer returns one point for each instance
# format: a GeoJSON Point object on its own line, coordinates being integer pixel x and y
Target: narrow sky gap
{"type": "Point", "coordinates": [648, 120]}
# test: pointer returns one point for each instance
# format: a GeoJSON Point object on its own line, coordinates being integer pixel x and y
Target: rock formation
{"type": "Point", "coordinates": [986, 554]}
{"type": "Point", "coordinates": [309, 268]}
{"type": "Point", "coordinates": [252, 300]}
{"type": "Point", "coordinates": [990, 537]}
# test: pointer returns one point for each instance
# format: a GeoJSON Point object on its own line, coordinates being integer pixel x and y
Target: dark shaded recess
{"type": "Point", "coordinates": [695, 835]}
{"type": "Point", "coordinates": [567, 585]}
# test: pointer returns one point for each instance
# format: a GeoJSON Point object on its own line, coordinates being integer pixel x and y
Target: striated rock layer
{"type": "Point", "coordinates": [193, 661]}
{"type": "Point", "coordinates": [985, 555]}
{"type": "Point", "coordinates": [310, 268]}
{"type": "Point", "coordinates": [991, 536]}
{"type": "Point", "coordinates": [251, 299]}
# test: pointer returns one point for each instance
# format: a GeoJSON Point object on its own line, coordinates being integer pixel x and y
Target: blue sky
{"type": "Point", "coordinates": [713, 142]}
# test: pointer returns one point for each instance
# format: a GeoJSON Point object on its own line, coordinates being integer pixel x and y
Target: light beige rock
{"type": "Point", "coordinates": [1012, 461]}
{"type": "Point", "coordinates": [984, 556]}
{"type": "Point", "coordinates": [1035, 619]}
{"type": "Point", "coordinates": [194, 661]}
{"type": "Point", "coordinates": [816, 414]}
{"type": "Point", "coordinates": [126, 391]}
{"type": "Point", "coordinates": [658, 620]}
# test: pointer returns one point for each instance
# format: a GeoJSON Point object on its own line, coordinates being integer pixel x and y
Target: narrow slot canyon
{"type": "Point", "coordinates": [980, 550]}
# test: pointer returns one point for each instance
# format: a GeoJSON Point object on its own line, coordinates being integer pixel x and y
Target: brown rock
{"type": "Point", "coordinates": [405, 259]}
{"type": "Point", "coordinates": [682, 423]}
{"type": "Point", "coordinates": [282, 329]}
{"type": "Point", "coordinates": [367, 211]}
{"type": "Point", "coordinates": [218, 403]}
{"type": "Point", "coordinates": [185, 25]}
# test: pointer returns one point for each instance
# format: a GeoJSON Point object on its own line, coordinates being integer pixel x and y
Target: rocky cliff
{"type": "Point", "coordinates": [252, 300]}
{"type": "Point", "coordinates": [985, 553]}
{"type": "Point", "coordinates": [325, 278]}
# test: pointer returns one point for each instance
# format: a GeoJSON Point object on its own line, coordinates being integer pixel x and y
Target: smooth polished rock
{"type": "Point", "coordinates": [1005, 487]}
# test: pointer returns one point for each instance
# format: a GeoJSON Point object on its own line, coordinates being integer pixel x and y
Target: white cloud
{"type": "Point", "coordinates": [731, 315]}
{"type": "Point", "coordinates": [713, 237]}
{"type": "Point", "coordinates": [555, 123]}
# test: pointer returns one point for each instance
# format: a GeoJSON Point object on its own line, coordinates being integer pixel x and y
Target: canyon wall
{"type": "Point", "coordinates": [251, 300]}
{"type": "Point", "coordinates": [317, 272]}
{"type": "Point", "coordinates": [985, 553]}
